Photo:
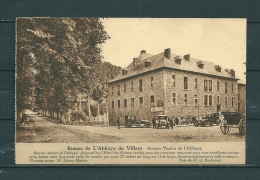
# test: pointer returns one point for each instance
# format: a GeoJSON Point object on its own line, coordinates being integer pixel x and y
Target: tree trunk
{"type": "Point", "coordinates": [80, 102]}
{"type": "Point", "coordinates": [98, 113]}
{"type": "Point", "coordinates": [69, 115]}
{"type": "Point", "coordinates": [61, 116]}
{"type": "Point", "coordinates": [89, 110]}
{"type": "Point", "coordinates": [58, 115]}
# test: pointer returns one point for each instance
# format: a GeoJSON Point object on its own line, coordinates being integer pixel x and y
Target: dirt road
{"type": "Point", "coordinates": [43, 130]}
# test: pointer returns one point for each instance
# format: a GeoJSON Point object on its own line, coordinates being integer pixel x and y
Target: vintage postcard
{"type": "Point", "coordinates": [132, 91]}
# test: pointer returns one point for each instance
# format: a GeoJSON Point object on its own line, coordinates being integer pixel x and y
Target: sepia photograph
{"type": "Point", "coordinates": [132, 86]}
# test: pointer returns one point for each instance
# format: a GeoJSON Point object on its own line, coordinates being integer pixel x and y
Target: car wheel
{"type": "Point", "coordinates": [196, 123]}
{"type": "Point", "coordinates": [129, 125]}
{"type": "Point", "coordinates": [203, 123]}
{"type": "Point", "coordinates": [138, 123]}
{"type": "Point", "coordinates": [224, 129]}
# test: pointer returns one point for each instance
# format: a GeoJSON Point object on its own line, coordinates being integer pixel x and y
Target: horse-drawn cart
{"type": "Point", "coordinates": [232, 120]}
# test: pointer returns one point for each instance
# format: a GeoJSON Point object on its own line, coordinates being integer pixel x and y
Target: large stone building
{"type": "Point", "coordinates": [174, 85]}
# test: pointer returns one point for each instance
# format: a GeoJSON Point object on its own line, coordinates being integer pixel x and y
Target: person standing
{"type": "Point", "coordinates": [171, 122]}
{"type": "Point", "coordinates": [177, 120]}
{"type": "Point", "coordinates": [118, 122]}
{"type": "Point", "coordinates": [154, 122]}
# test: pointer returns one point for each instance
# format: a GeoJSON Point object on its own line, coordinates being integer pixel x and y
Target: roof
{"type": "Point", "coordinates": [241, 81]}
{"type": "Point", "coordinates": [160, 61]}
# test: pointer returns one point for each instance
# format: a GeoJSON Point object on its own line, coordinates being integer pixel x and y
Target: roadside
{"type": "Point", "coordinates": [44, 130]}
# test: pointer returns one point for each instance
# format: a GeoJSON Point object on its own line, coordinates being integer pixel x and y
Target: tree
{"type": "Point", "coordinates": [105, 72]}
{"type": "Point", "coordinates": [63, 54]}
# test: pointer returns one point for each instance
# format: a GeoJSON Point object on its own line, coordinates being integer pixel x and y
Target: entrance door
{"type": "Point", "coordinates": [218, 108]}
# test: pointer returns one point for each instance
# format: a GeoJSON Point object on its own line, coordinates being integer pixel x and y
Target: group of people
{"type": "Point", "coordinates": [171, 120]}
{"type": "Point", "coordinates": [155, 122]}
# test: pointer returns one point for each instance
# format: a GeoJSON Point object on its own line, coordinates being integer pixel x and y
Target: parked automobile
{"type": "Point", "coordinates": [208, 119]}
{"type": "Point", "coordinates": [132, 120]}
{"type": "Point", "coordinates": [211, 119]}
{"type": "Point", "coordinates": [232, 120]}
{"type": "Point", "coordinates": [162, 121]}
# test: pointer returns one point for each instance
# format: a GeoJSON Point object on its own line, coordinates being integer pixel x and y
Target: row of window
{"type": "Point", "coordinates": [208, 100]}
{"type": "Point", "coordinates": [207, 85]}
{"type": "Point", "coordinates": [141, 101]}
{"type": "Point", "coordinates": [131, 86]}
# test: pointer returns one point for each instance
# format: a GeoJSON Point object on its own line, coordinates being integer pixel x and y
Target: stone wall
{"type": "Point", "coordinates": [181, 109]}
{"type": "Point", "coordinates": [163, 89]}
{"type": "Point", "coordinates": [142, 111]}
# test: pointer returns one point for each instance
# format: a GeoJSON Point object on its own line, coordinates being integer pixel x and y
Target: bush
{"type": "Point", "coordinates": [78, 115]}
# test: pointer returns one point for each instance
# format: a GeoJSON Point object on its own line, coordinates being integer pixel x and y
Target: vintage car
{"type": "Point", "coordinates": [232, 120]}
{"type": "Point", "coordinates": [208, 119]}
{"type": "Point", "coordinates": [162, 121]}
{"type": "Point", "coordinates": [132, 120]}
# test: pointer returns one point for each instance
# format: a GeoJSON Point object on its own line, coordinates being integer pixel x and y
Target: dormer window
{"type": "Point", "coordinates": [200, 64]}
{"type": "Point", "coordinates": [124, 71]}
{"type": "Point", "coordinates": [147, 63]}
{"type": "Point", "coordinates": [218, 68]}
{"type": "Point", "coordinates": [177, 59]}
{"type": "Point", "coordinates": [187, 57]}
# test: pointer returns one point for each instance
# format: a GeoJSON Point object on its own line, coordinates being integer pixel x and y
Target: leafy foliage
{"type": "Point", "coordinates": [105, 72]}
{"type": "Point", "coordinates": [59, 55]}
{"type": "Point", "coordinates": [78, 115]}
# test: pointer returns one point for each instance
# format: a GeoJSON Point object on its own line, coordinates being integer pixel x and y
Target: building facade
{"type": "Point", "coordinates": [171, 84]}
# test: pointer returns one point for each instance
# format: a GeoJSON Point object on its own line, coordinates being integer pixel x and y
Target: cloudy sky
{"type": "Point", "coordinates": [221, 41]}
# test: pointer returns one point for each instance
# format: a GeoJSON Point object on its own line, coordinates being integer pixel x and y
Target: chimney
{"type": "Point", "coordinates": [135, 61]}
{"type": "Point", "coordinates": [187, 57]}
{"type": "Point", "coordinates": [232, 72]}
{"type": "Point", "coordinates": [143, 52]}
{"type": "Point", "coordinates": [167, 53]}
